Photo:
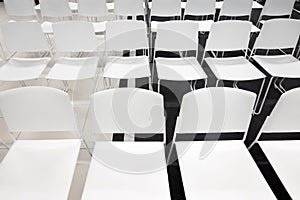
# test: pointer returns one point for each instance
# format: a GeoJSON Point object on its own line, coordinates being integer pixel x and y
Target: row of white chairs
{"type": "Point", "coordinates": [168, 8]}
{"type": "Point", "coordinates": [78, 36]}
{"type": "Point", "coordinates": [48, 165]}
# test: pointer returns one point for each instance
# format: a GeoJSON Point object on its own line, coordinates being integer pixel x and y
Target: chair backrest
{"type": "Point", "coordinates": [177, 36]}
{"type": "Point", "coordinates": [278, 34]}
{"type": "Point", "coordinates": [55, 8]}
{"type": "Point", "coordinates": [285, 116]}
{"type": "Point", "coordinates": [215, 110]}
{"type": "Point", "coordinates": [128, 110]}
{"type": "Point", "coordinates": [74, 36]}
{"type": "Point", "coordinates": [19, 8]}
{"type": "Point", "coordinates": [166, 8]}
{"type": "Point", "coordinates": [37, 109]}
{"type": "Point", "coordinates": [24, 37]}
{"type": "Point", "coordinates": [129, 7]}
{"type": "Point", "coordinates": [229, 35]}
{"type": "Point", "coordinates": [236, 8]}
{"type": "Point", "coordinates": [200, 7]}
{"type": "Point", "coordinates": [278, 8]}
{"type": "Point", "coordinates": [126, 35]}
{"type": "Point", "coordinates": [92, 8]}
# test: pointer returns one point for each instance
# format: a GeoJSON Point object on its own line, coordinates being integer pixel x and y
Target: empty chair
{"type": "Point", "coordinates": [38, 169]}
{"type": "Point", "coordinates": [131, 111]}
{"type": "Point", "coordinates": [237, 8]}
{"type": "Point", "coordinates": [212, 169]}
{"type": "Point", "coordinates": [54, 10]}
{"type": "Point", "coordinates": [205, 9]}
{"type": "Point", "coordinates": [127, 35]}
{"type": "Point", "coordinates": [226, 36]}
{"type": "Point", "coordinates": [94, 9]}
{"type": "Point", "coordinates": [166, 9]}
{"type": "Point", "coordinates": [23, 9]}
{"type": "Point", "coordinates": [283, 120]}
{"type": "Point", "coordinates": [178, 36]}
{"type": "Point", "coordinates": [74, 37]}
{"type": "Point", "coordinates": [276, 8]}
{"type": "Point", "coordinates": [278, 34]}
{"type": "Point", "coordinates": [24, 37]}
{"type": "Point", "coordinates": [132, 8]}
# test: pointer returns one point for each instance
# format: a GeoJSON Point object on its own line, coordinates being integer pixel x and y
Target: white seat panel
{"type": "Point", "coordinates": [73, 68]}
{"type": "Point", "coordinates": [99, 27]}
{"type": "Point", "coordinates": [227, 172]}
{"type": "Point", "coordinates": [38, 169]}
{"type": "Point", "coordinates": [17, 69]}
{"type": "Point", "coordinates": [204, 26]}
{"type": "Point", "coordinates": [234, 69]}
{"type": "Point", "coordinates": [127, 67]}
{"type": "Point", "coordinates": [280, 66]}
{"type": "Point", "coordinates": [103, 180]}
{"type": "Point", "coordinates": [283, 156]}
{"type": "Point", "coordinates": [179, 69]}
{"type": "Point", "coordinates": [47, 27]}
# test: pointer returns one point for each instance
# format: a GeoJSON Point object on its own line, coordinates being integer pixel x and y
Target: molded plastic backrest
{"type": "Point", "coordinates": [177, 36]}
{"type": "Point", "coordinates": [200, 7]}
{"type": "Point", "coordinates": [74, 36]}
{"type": "Point", "coordinates": [55, 8]}
{"type": "Point", "coordinates": [229, 35]}
{"type": "Point", "coordinates": [24, 37]}
{"type": "Point", "coordinates": [19, 8]}
{"type": "Point", "coordinates": [216, 110]}
{"type": "Point", "coordinates": [37, 109]}
{"type": "Point", "coordinates": [278, 7]}
{"type": "Point", "coordinates": [236, 8]}
{"type": "Point", "coordinates": [129, 7]}
{"type": "Point", "coordinates": [126, 35]}
{"type": "Point", "coordinates": [278, 33]}
{"type": "Point", "coordinates": [166, 8]}
{"type": "Point", "coordinates": [285, 116]}
{"type": "Point", "coordinates": [92, 8]}
{"type": "Point", "coordinates": [128, 110]}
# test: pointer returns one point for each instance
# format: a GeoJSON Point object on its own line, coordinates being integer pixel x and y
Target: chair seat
{"type": "Point", "coordinates": [21, 69]}
{"type": "Point", "coordinates": [283, 158]}
{"type": "Point", "coordinates": [73, 68]}
{"type": "Point", "coordinates": [204, 26]}
{"type": "Point", "coordinates": [234, 69]}
{"type": "Point", "coordinates": [39, 169]}
{"type": "Point", "coordinates": [285, 66]}
{"type": "Point", "coordinates": [136, 170]}
{"type": "Point", "coordinates": [47, 27]}
{"type": "Point", "coordinates": [99, 27]}
{"type": "Point", "coordinates": [127, 67]}
{"type": "Point", "coordinates": [220, 170]}
{"type": "Point", "coordinates": [179, 69]}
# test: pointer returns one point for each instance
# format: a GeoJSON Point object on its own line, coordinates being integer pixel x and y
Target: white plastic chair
{"type": "Point", "coordinates": [164, 8]}
{"type": "Point", "coordinates": [178, 36]}
{"type": "Point", "coordinates": [54, 10]}
{"type": "Point", "coordinates": [273, 8]}
{"type": "Point", "coordinates": [74, 37]}
{"type": "Point", "coordinates": [38, 110]}
{"type": "Point", "coordinates": [218, 169]}
{"type": "Point", "coordinates": [131, 111]}
{"type": "Point", "coordinates": [284, 119]}
{"type": "Point", "coordinates": [127, 35]}
{"type": "Point", "coordinates": [15, 8]}
{"type": "Point", "coordinates": [24, 37]}
{"type": "Point", "coordinates": [278, 34]}
{"type": "Point", "coordinates": [132, 8]}
{"type": "Point", "coordinates": [203, 8]}
{"type": "Point", "coordinates": [237, 8]}
{"type": "Point", "coordinates": [94, 9]}
{"type": "Point", "coordinates": [231, 35]}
